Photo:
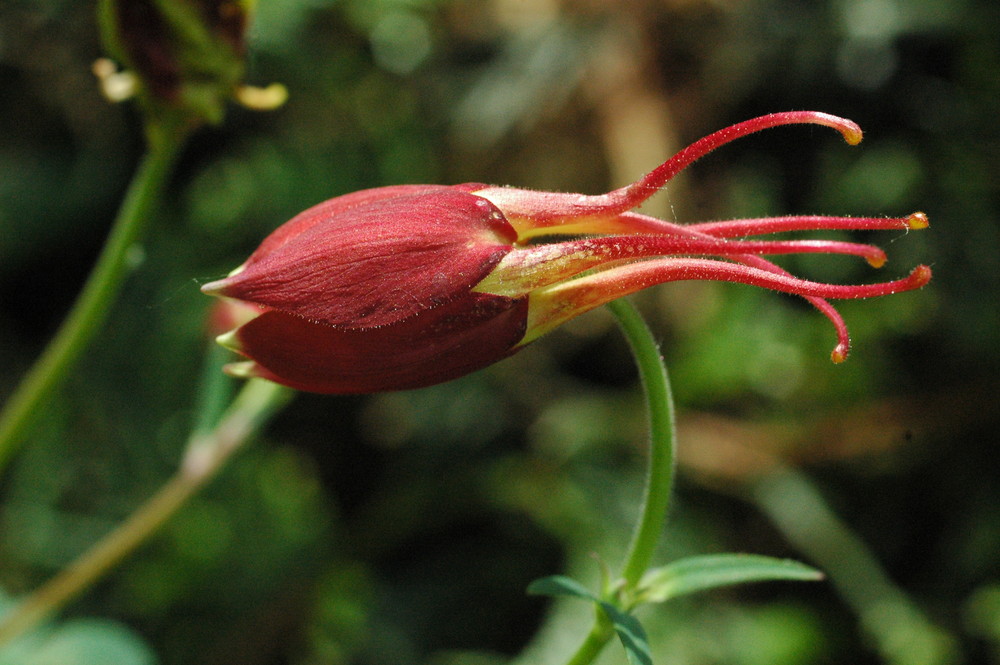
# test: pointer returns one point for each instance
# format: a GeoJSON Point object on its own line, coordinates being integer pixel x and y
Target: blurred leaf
{"type": "Point", "coordinates": [629, 630]}
{"type": "Point", "coordinates": [76, 642]}
{"type": "Point", "coordinates": [700, 573]}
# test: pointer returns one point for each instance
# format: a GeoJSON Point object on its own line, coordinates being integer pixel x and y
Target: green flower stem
{"type": "Point", "coordinates": [662, 462]}
{"type": "Point", "coordinates": [206, 453]}
{"type": "Point", "coordinates": [596, 640]}
{"type": "Point", "coordinates": [85, 319]}
{"type": "Point", "coordinates": [660, 477]}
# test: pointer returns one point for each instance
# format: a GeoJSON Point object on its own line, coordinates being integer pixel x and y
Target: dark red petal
{"type": "Point", "coordinates": [432, 347]}
{"type": "Point", "coordinates": [379, 261]}
{"type": "Point", "coordinates": [308, 218]}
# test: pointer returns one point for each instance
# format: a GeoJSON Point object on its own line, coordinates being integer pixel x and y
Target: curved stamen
{"type": "Point", "coordinates": [751, 227]}
{"type": "Point", "coordinates": [639, 223]}
{"type": "Point", "coordinates": [631, 196]}
{"type": "Point", "coordinates": [551, 306]}
{"type": "Point", "coordinates": [532, 212]}
{"type": "Point", "coordinates": [843, 347]}
{"type": "Point", "coordinates": [525, 269]}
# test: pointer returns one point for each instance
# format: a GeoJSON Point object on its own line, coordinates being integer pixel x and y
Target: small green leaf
{"type": "Point", "coordinates": [628, 628]}
{"type": "Point", "coordinates": [560, 585]}
{"type": "Point", "coordinates": [631, 633]}
{"type": "Point", "coordinates": [708, 572]}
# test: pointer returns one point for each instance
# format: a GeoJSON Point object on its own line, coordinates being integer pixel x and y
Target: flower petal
{"type": "Point", "coordinates": [329, 209]}
{"type": "Point", "coordinates": [431, 347]}
{"type": "Point", "coordinates": [374, 260]}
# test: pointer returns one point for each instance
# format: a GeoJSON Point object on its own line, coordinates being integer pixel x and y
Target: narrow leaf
{"type": "Point", "coordinates": [631, 633]}
{"type": "Point", "coordinates": [560, 585]}
{"type": "Point", "coordinates": [700, 573]}
{"type": "Point", "coordinates": [628, 628]}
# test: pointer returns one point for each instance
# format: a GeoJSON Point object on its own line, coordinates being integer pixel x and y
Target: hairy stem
{"type": "Point", "coordinates": [660, 475]}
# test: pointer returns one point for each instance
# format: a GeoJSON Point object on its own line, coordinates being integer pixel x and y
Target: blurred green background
{"type": "Point", "coordinates": [404, 528]}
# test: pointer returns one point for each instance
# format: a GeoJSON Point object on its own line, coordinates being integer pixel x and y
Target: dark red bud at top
{"type": "Point", "coordinates": [185, 56]}
{"type": "Point", "coordinates": [145, 37]}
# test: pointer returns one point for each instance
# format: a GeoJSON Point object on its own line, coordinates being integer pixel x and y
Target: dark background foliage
{"type": "Point", "coordinates": [404, 528]}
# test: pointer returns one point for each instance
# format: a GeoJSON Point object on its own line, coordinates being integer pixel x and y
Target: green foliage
{"type": "Point", "coordinates": [689, 575]}
{"type": "Point", "coordinates": [700, 573]}
{"type": "Point", "coordinates": [404, 528]}
{"type": "Point", "coordinates": [627, 627]}
{"type": "Point", "coordinates": [80, 641]}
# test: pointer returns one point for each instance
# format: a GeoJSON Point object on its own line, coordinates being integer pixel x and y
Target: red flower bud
{"type": "Point", "coordinates": [408, 286]}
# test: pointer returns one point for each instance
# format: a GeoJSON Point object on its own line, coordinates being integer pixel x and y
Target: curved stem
{"type": "Point", "coordinates": [90, 310]}
{"type": "Point", "coordinates": [207, 452]}
{"type": "Point", "coordinates": [660, 476]}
